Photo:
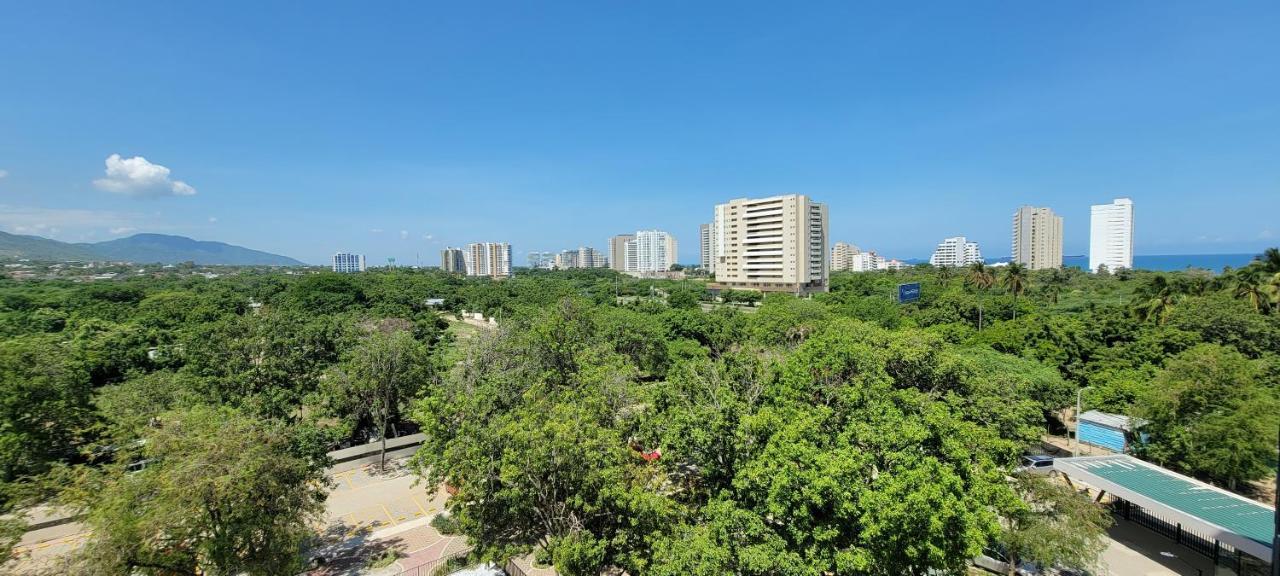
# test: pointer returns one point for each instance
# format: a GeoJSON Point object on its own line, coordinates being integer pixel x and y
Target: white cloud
{"type": "Point", "coordinates": [1266, 234]}
{"type": "Point", "coordinates": [428, 237]}
{"type": "Point", "coordinates": [375, 230]}
{"type": "Point", "coordinates": [404, 234]}
{"type": "Point", "coordinates": [139, 178]}
{"type": "Point", "coordinates": [4, 174]}
{"type": "Point", "coordinates": [74, 222]}
{"type": "Point", "coordinates": [213, 219]}
{"type": "Point", "coordinates": [37, 228]}
{"type": "Point", "coordinates": [123, 230]}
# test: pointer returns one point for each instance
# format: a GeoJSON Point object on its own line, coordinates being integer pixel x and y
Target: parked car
{"type": "Point", "coordinates": [1040, 465]}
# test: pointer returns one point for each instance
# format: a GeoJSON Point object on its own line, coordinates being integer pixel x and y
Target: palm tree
{"type": "Point", "coordinates": [1274, 284]}
{"type": "Point", "coordinates": [1054, 282]}
{"type": "Point", "coordinates": [1157, 299]}
{"type": "Point", "coordinates": [1015, 281]}
{"type": "Point", "coordinates": [944, 274]}
{"type": "Point", "coordinates": [1270, 259]}
{"type": "Point", "coordinates": [1250, 285]}
{"type": "Point", "coordinates": [981, 278]}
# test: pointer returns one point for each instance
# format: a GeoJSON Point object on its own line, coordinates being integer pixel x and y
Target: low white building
{"type": "Point", "coordinates": [955, 252]}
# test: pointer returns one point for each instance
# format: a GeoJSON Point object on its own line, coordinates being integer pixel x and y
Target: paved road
{"type": "Point", "coordinates": [361, 505]}
{"type": "Point", "coordinates": [1135, 551]}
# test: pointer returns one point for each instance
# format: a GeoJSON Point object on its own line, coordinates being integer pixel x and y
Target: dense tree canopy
{"type": "Point", "coordinates": [618, 422]}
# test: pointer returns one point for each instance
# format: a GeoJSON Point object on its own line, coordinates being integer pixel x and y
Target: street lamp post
{"type": "Point", "coordinates": [1079, 393]}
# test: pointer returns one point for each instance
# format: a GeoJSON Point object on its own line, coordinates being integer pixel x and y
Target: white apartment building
{"type": "Point", "coordinates": [771, 244]}
{"type": "Point", "coordinates": [1111, 235]}
{"type": "Point", "coordinates": [842, 254]}
{"type": "Point", "coordinates": [648, 251]}
{"type": "Point", "coordinates": [955, 252]}
{"type": "Point", "coordinates": [542, 260]}
{"type": "Point", "coordinates": [344, 263]}
{"type": "Point", "coordinates": [491, 259]}
{"type": "Point", "coordinates": [867, 261]}
{"type": "Point", "coordinates": [583, 257]}
{"type": "Point", "coordinates": [1037, 238]}
{"type": "Point", "coordinates": [706, 239]}
{"type": "Point", "coordinates": [453, 260]}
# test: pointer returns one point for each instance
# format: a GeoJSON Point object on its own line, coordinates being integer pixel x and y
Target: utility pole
{"type": "Point", "coordinates": [1077, 417]}
{"type": "Point", "coordinates": [1079, 392]}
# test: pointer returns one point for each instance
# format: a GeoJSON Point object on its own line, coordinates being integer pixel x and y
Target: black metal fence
{"type": "Point", "coordinates": [435, 567]}
{"type": "Point", "coordinates": [1224, 555]}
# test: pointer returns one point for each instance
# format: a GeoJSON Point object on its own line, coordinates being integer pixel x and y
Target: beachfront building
{"type": "Point", "coordinates": [1037, 238]}
{"type": "Point", "coordinates": [955, 252]}
{"type": "Point", "coordinates": [1111, 235]}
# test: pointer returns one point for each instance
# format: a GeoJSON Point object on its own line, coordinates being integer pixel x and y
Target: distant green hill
{"type": "Point", "coordinates": [140, 248]}
{"type": "Point", "coordinates": [13, 246]}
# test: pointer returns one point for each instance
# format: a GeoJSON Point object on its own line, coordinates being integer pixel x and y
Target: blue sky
{"type": "Point", "coordinates": [393, 129]}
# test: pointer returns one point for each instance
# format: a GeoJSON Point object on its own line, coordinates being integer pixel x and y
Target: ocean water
{"type": "Point", "coordinates": [1171, 262]}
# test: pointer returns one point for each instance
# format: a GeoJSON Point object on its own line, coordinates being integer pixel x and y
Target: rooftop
{"type": "Point", "coordinates": [1229, 517]}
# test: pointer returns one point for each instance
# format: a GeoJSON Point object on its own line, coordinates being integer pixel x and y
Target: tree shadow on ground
{"type": "Point", "coordinates": [344, 550]}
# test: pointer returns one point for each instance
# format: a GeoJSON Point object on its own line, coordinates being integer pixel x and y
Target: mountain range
{"type": "Point", "coordinates": [139, 248]}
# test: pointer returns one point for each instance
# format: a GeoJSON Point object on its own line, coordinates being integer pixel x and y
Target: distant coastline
{"type": "Point", "coordinates": [1158, 262]}
{"type": "Point", "coordinates": [1174, 262]}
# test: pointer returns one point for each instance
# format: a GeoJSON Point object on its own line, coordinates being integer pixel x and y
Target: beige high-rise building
{"type": "Point", "coordinates": [453, 260]}
{"type": "Point", "coordinates": [618, 251]}
{"type": "Point", "coordinates": [776, 244]}
{"type": "Point", "coordinates": [1037, 238]}
{"type": "Point", "coordinates": [491, 259]}
{"type": "Point", "coordinates": [842, 256]}
{"type": "Point", "coordinates": [706, 239]}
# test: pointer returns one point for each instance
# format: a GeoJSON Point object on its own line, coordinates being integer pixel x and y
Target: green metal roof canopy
{"type": "Point", "coordinates": [1228, 517]}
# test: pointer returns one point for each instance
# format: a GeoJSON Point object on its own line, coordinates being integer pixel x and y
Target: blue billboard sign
{"type": "Point", "coordinates": [909, 292]}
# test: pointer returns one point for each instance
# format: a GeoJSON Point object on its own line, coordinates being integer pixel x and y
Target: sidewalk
{"type": "Point", "coordinates": [1136, 551]}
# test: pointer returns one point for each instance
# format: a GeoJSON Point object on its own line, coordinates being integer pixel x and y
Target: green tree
{"type": "Point", "coordinates": [1270, 260]}
{"type": "Point", "coordinates": [785, 319]}
{"type": "Point", "coordinates": [1015, 281]}
{"type": "Point", "coordinates": [981, 279]}
{"type": "Point", "coordinates": [1221, 319]}
{"type": "Point", "coordinates": [529, 429]}
{"type": "Point", "coordinates": [220, 494]}
{"type": "Point", "coordinates": [1155, 301]}
{"type": "Point", "coordinates": [45, 409]}
{"type": "Point", "coordinates": [1208, 416]}
{"type": "Point", "coordinates": [683, 298]}
{"type": "Point", "coordinates": [1052, 526]}
{"type": "Point", "coordinates": [1250, 284]}
{"type": "Point", "coordinates": [384, 370]}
